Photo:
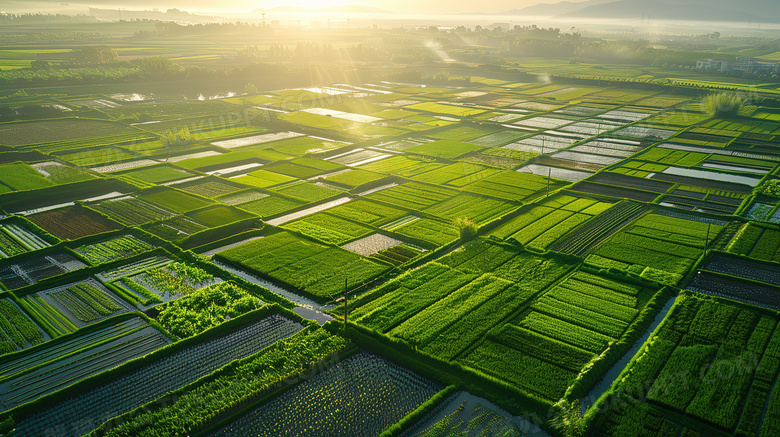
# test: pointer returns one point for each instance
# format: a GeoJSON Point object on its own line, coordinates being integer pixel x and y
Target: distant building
{"type": "Point", "coordinates": [756, 66]}
{"type": "Point", "coordinates": [712, 65]}
{"type": "Point", "coordinates": [751, 66]}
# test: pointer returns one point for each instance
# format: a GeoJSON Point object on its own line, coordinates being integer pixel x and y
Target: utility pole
{"type": "Point", "coordinates": [549, 175]}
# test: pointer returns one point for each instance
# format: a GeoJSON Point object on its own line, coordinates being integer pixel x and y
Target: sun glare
{"type": "Point", "coordinates": [306, 4]}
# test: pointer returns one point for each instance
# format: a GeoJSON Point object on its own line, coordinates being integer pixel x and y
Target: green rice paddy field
{"type": "Point", "coordinates": [586, 259]}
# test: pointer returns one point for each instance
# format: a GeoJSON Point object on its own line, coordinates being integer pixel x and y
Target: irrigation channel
{"type": "Point", "coordinates": [306, 308]}
{"type": "Point", "coordinates": [609, 378]}
{"type": "Point", "coordinates": [486, 416]}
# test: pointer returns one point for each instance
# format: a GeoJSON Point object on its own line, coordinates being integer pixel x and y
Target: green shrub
{"type": "Point", "coordinates": [7, 425]}
{"type": "Point", "coordinates": [724, 105]}
{"type": "Point", "coordinates": [770, 188]}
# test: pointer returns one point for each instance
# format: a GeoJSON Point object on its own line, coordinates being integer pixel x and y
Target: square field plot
{"type": "Point", "coordinates": [550, 221]}
{"type": "Point", "coordinates": [51, 368]}
{"type": "Point", "coordinates": [311, 267]}
{"type": "Point", "coordinates": [412, 195]}
{"type": "Point", "coordinates": [372, 244]}
{"type": "Point", "coordinates": [75, 305]}
{"type": "Point", "coordinates": [444, 149]}
{"type": "Point", "coordinates": [432, 232]}
{"type": "Point", "coordinates": [158, 174]}
{"type": "Point", "coordinates": [174, 200]}
{"type": "Point", "coordinates": [700, 338]}
{"type": "Point", "coordinates": [18, 330]}
{"type": "Point", "coordinates": [511, 186]}
{"type": "Point", "coordinates": [60, 130]}
{"type": "Point", "coordinates": [21, 177]}
{"type": "Point", "coordinates": [262, 179]}
{"type": "Point", "coordinates": [478, 209]}
{"type": "Point", "coordinates": [378, 391]}
{"type": "Point", "coordinates": [328, 228]}
{"type": "Point", "coordinates": [16, 238]}
{"type": "Point", "coordinates": [73, 222]}
{"type": "Point", "coordinates": [662, 247]}
{"type": "Point", "coordinates": [211, 187]}
{"type": "Point", "coordinates": [132, 211]}
{"type": "Point", "coordinates": [32, 271]}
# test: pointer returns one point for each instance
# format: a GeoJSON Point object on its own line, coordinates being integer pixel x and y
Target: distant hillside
{"type": "Point", "coordinates": [685, 10]}
{"type": "Point", "coordinates": [553, 9]}
{"type": "Point", "coordinates": [691, 10]}
{"type": "Point", "coordinates": [169, 15]}
{"type": "Point", "coordinates": [349, 9]}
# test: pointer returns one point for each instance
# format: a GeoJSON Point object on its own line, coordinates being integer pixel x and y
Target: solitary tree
{"type": "Point", "coordinates": [466, 228]}
{"type": "Point", "coordinates": [93, 55]}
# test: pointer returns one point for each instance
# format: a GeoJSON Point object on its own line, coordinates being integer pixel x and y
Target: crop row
{"type": "Point", "coordinates": [401, 166]}
{"type": "Point", "coordinates": [73, 222]}
{"type": "Point", "coordinates": [367, 212]}
{"type": "Point", "coordinates": [733, 288]}
{"type": "Point", "coordinates": [397, 255]}
{"type": "Point", "coordinates": [211, 187]}
{"type": "Point", "coordinates": [552, 351]}
{"type": "Point", "coordinates": [63, 371]}
{"type": "Point", "coordinates": [51, 319]}
{"type": "Point", "coordinates": [511, 185]}
{"type": "Point", "coordinates": [29, 272]}
{"type": "Point", "coordinates": [378, 392]}
{"type": "Point", "coordinates": [413, 196]}
{"type": "Point", "coordinates": [409, 294]}
{"type": "Point", "coordinates": [283, 255]}
{"type": "Point", "coordinates": [43, 354]}
{"type": "Point", "coordinates": [456, 175]}
{"type": "Point", "coordinates": [523, 370]}
{"type": "Point", "coordinates": [744, 268]}
{"type": "Point", "coordinates": [667, 246]}
{"type": "Point", "coordinates": [132, 211]}
{"type": "Point", "coordinates": [207, 402]}
{"type": "Point", "coordinates": [478, 209]}
{"type": "Point", "coordinates": [78, 413]}
{"type": "Point", "coordinates": [429, 230]}
{"type": "Point", "coordinates": [133, 268]}
{"type": "Point", "coordinates": [683, 369]}
{"type": "Point", "coordinates": [516, 266]}
{"type": "Point", "coordinates": [16, 329]}
{"type": "Point", "coordinates": [121, 247]}
{"type": "Point", "coordinates": [594, 231]}
{"type": "Point", "coordinates": [757, 242]}
{"type": "Point", "coordinates": [424, 326]}
{"type": "Point", "coordinates": [85, 301]}
{"type": "Point", "coordinates": [328, 229]}
{"type": "Point", "coordinates": [10, 247]}
{"type": "Point", "coordinates": [306, 192]}
{"type": "Point", "coordinates": [23, 237]}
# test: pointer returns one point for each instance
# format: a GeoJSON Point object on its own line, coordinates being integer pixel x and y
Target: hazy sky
{"type": "Point", "coordinates": [408, 6]}
{"type": "Point", "coordinates": [403, 6]}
